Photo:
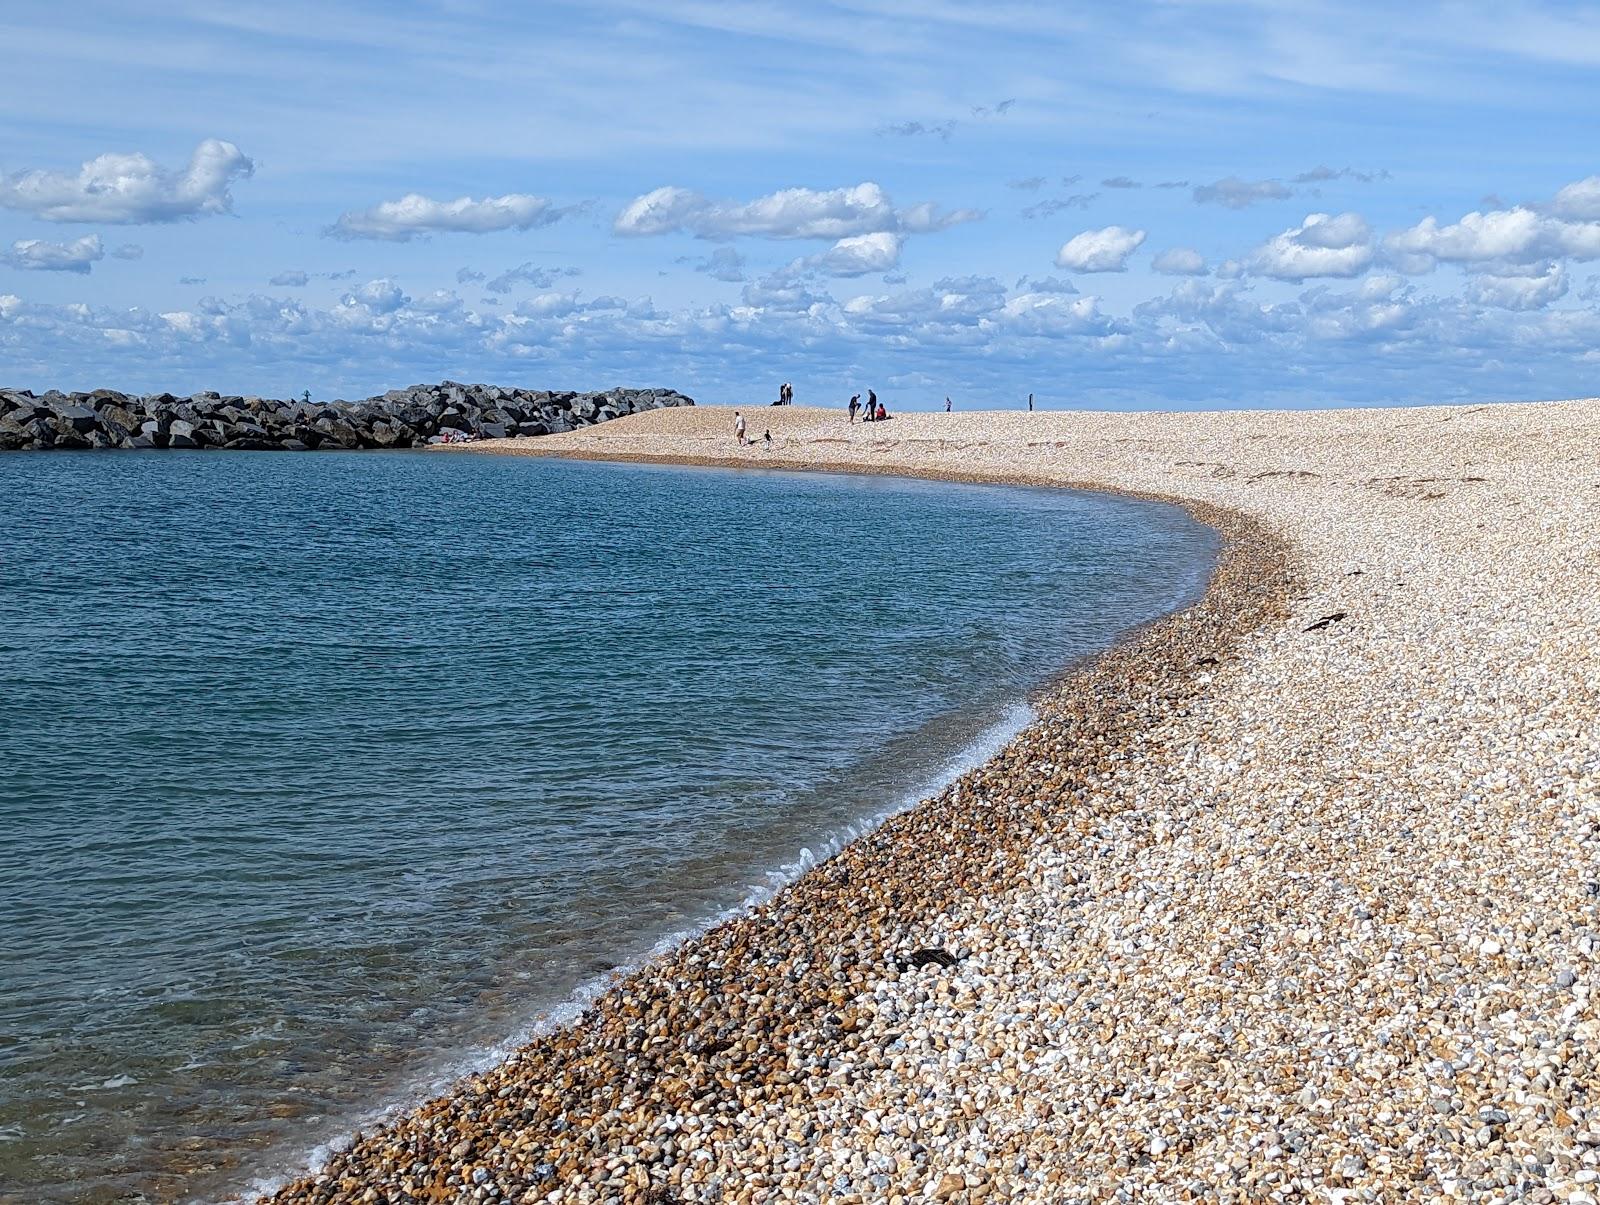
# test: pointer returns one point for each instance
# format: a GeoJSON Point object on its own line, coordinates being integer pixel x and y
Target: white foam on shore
{"type": "Point", "coordinates": [979, 750]}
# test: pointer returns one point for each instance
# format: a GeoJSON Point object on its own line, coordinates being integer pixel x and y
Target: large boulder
{"type": "Point", "coordinates": [72, 417]}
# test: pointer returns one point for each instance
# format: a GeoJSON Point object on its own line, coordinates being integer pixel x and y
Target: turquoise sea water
{"type": "Point", "coordinates": [323, 776]}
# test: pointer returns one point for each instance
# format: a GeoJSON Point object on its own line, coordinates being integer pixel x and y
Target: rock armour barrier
{"type": "Point", "coordinates": [402, 418]}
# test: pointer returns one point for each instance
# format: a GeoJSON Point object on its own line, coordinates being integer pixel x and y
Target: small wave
{"type": "Point", "coordinates": [116, 1081]}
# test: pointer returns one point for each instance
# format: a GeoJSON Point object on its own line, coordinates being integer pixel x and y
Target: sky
{"type": "Point", "coordinates": [1168, 204]}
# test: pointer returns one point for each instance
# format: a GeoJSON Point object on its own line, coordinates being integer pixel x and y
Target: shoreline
{"type": "Point", "coordinates": [1246, 584]}
{"type": "Point", "coordinates": [1242, 915]}
{"type": "Point", "coordinates": [541, 1020]}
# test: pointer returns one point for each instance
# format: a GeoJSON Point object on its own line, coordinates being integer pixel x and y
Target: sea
{"type": "Point", "coordinates": [327, 778]}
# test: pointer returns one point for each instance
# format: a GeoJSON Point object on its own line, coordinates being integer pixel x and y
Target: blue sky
{"type": "Point", "coordinates": [1141, 204]}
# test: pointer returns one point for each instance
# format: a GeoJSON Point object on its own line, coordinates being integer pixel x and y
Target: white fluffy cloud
{"type": "Point", "coordinates": [858, 255]}
{"type": "Point", "coordinates": [1179, 261]}
{"type": "Point", "coordinates": [378, 297]}
{"type": "Point", "coordinates": [124, 189]}
{"type": "Point", "coordinates": [1322, 245]}
{"type": "Point", "coordinates": [1054, 315]}
{"type": "Point", "coordinates": [36, 255]}
{"type": "Point", "coordinates": [415, 215]}
{"type": "Point", "coordinates": [1104, 250]}
{"type": "Point", "coordinates": [1380, 309]}
{"type": "Point", "coordinates": [1512, 235]}
{"type": "Point", "coordinates": [928, 218]}
{"type": "Point", "coordinates": [439, 301]}
{"type": "Point", "coordinates": [1580, 200]}
{"type": "Point", "coordinates": [953, 308]}
{"type": "Point", "coordinates": [1529, 290]}
{"type": "Point", "coordinates": [661, 211]}
{"type": "Point", "coordinates": [290, 280]}
{"type": "Point", "coordinates": [1501, 236]}
{"type": "Point", "coordinates": [791, 213]}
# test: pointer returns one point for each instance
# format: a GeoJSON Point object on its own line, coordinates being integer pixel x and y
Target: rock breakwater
{"type": "Point", "coordinates": [402, 418]}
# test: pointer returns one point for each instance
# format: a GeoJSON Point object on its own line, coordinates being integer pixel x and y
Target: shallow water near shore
{"type": "Point", "coordinates": [321, 776]}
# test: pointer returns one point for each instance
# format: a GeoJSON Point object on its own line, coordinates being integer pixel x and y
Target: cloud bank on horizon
{"type": "Point", "coordinates": [1243, 203]}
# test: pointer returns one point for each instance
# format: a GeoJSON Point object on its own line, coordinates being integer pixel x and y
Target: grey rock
{"type": "Point", "coordinates": [76, 418]}
{"type": "Point", "coordinates": [112, 412]}
{"type": "Point", "coordinates": [400, 418]}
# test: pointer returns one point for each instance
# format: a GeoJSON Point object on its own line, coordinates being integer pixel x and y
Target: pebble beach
{"type": "Point", "coordinates": [1292, 896]}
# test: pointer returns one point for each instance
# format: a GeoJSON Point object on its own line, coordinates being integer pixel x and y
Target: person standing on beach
{"type": "Point", "coordinates": [855, 404]}
{"type": "Point", "coordinates": [1030, 403]}
{"type": "Point", "coordinates": [738, 427]}
{"type": "Point", "coordinates": [872, 406]}
{"type": "Point", "coordinates": [947, 404]}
